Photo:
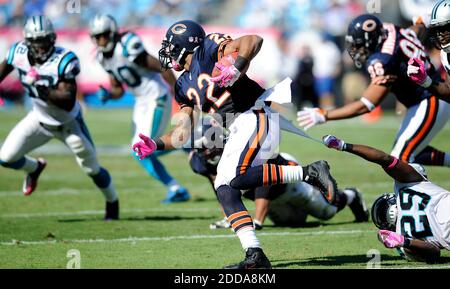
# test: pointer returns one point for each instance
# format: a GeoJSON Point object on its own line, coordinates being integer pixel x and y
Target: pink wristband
{"type": "Point", "coordinates": [393, 164]}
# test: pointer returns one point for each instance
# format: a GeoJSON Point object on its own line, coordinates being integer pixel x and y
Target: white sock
{"type": "Point", "coordinates": [248, 238]}
{"type": "Point", "coordinates": [292, 174]}
{"type": "Point", "coordinates": [110, 193]}
{"type": "Point", "coordinates": [350, 196]}
{"type": "Point", "coordinates": [447, 160]}
{"type": "Point", "coordinates": [173, 185]}
{"type": "Point", "coordinates": [30, 165]}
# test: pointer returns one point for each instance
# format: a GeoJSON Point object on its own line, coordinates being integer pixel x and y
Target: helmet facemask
{"type": "Point", "coordinates": [441, 37]}
{"type": "Point", "coordinates": [110, 41]}
{"type": "Point", "coordinates": [359, 54]}
{"type": "Point", "coordinates": [41, 48]}
{"type": "Point", "coordinates": [171, 56]}
{"type": "Point", "coordinates": [385, 212]}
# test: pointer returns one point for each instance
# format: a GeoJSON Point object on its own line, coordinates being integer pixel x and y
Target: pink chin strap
{"type": "Point", "coordinates": [176, 66]}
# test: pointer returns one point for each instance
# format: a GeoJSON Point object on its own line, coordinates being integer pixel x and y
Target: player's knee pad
{"type": "Point", "coordinates": [102, 179]}
{"type": "Point", "coordinates": [85, 154]}
{"type": "Point", "coordinates": [230, 199]}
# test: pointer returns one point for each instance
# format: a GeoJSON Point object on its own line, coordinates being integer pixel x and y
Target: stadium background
{"type": "Point", "coordinates": [66, 211]}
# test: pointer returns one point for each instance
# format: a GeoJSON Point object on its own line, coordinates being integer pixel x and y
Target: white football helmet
{"type": "Point", "coordinates": [104, 24]}
{"type": "Point", "coordinates": [439, 24]}
{"type": "Point", "coordinates": [39, 37]}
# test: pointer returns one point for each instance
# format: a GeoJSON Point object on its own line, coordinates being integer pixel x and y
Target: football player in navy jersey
{"type": "Point", "coordinates": [385, 49]}
{"type": "Point", "coordinates": [253, 131]}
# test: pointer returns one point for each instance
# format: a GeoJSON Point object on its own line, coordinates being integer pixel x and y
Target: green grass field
{"type": "Point", "coordinates": [66, 211]}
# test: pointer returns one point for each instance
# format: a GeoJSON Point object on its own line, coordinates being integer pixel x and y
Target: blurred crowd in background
{"type": "Point", "coordinates": [311, 32]}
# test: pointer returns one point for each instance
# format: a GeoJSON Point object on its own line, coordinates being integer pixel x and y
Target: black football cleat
{"type": "Point", "coordinates": [318, 174]}
{"type": "Point", "coordinates": [112, 211]}
{"type": "Point", "coordinates": [254, 259]}
{"type": "Point", "coordinates": [31, 179]}
{"type": "Point", "coordinates": [358, 207]}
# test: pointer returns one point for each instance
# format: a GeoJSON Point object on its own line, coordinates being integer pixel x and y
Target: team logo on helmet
{"type": "Point", "coordinates": [179, 28]}
{"type": "Point", "coordinates": [369, 25]}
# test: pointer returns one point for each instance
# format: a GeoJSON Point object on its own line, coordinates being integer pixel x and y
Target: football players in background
{"type": "Point", "coordinates": [231, 97]}
{"type": "Point", "coordinates": [416, 219]}
{"type": "Point", "coordinates": [385, 49]}
{"type": "Point", "coordinates": [439, 26]}
{"type": "Point", "coordinates": [48, 73]}
{"type": "Point", "coordinates": [124, 57]}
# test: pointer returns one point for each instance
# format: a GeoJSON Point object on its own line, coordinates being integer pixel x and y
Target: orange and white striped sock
{"type": "Point", "coordinates": [242, 224]}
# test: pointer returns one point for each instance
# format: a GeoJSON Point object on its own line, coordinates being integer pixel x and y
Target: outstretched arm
{"type": "Point", "coordinates": [397, 169]}
{"type": "Point", "coordinates": [172, 140]}
{"type": "Point", "coordinates": [371, 98]}
{"type": "Point", "coordinates": [151, 63]}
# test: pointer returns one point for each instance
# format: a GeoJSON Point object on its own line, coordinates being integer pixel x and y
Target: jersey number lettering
{"type": "Point", "coordinates": [410, 225]}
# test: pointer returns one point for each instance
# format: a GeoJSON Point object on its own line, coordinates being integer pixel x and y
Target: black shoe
{"type": "Point", "coordinates": [112, 211]}
{"type": "Point", "coordinates": [254, 259]}
{"type": "Point", "coordinates": [358, 207]}
{"type": "Point", "coordinates": [31, 179]}
{"type": "Point", "coordinates": [318, 175]}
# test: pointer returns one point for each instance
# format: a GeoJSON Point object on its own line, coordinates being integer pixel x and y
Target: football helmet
{"type": "Point", "coordinates": [365, 34]}
{"type": "Point", "coordinates": [106, 26]}
{"type": "Point", "coordinates": [182, 38]}
{"type": "Point", "coordinates": [39, 37]}
{"type": "Point", "coordinates": [440, 25]}
{"type": "Point", "coordinates": [384, 212]}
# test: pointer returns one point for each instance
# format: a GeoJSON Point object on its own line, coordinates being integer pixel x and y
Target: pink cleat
{"type": "Point", "coordinates": [31, 179]}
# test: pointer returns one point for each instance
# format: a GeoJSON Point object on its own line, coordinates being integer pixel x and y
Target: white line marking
{"type": "Point", "coordinates": [186, 237]}
{"type": "Point", "coordinates": [100, 212]}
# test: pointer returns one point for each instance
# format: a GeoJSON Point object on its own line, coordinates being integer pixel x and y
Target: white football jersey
{"type": "Point", "coordinates": [424, 212]}
{"type": "Point", "coordinates": [62, 64]}
{"type": "Point", "coordinates": [141, 81]}
{"type": "Point", "coordinates": [445, 61]}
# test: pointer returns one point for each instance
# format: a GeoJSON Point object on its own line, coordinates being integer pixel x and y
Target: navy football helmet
{"type": "Point", "coordinates": [384, 212]}
{"type": "Point", "coordinates": [182, 38]}
{"type": "Point", "coordinates": [364, 36]}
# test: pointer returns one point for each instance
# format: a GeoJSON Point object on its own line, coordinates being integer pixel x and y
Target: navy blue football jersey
{"type": "Point", "coordinates": [392, 59]}
{"type": "Point", "coordinates": [194, 87]}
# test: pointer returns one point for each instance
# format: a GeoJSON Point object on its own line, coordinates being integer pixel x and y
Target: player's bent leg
{"type": "Point", "coordinates": [78, 139]}
{"type": "Point", "coordinates": [432, 157]}
{"type": "Point", "coordinates": [27, 135]}
{"type": "Point", "coordinates": [421, 123]}
{"type": "Point", "coordinates": [242, 224]}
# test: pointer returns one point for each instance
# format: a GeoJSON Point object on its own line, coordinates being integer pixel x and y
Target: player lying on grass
{"type": "Point", "coordinates": [416, 219]}
{"type": "Point", "coordinates": [385, 49]}
{"type": "Point", "coordinates": [285, 204]}
{"type": "Point", "coordinates": [124, 57]}
{"type": "Point", "coordinates": [230, 96]}
{"type": "Point", "coordinates": [48, 73]}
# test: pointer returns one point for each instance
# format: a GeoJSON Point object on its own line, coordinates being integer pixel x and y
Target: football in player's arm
{"type": "Point", "coordinates": [403, 173]}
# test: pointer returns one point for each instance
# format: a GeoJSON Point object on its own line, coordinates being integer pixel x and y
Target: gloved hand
{"type": "Point", "coordinates": [309, 117]}
{"type": "Point", "coordinates": [417, 72]}
{"type": "Point", "coordinates": [103, 94]}
{"type": "Point", "coordinates": [32, 76]}
{"type": "Point", "coordinates": [145, 147]}
{"type": "Point", "coordinates": [333, 142]}
{"type": "Point", "coordinates": [228, 75]}
{"type": "Point", "coordinates": [391, 239]}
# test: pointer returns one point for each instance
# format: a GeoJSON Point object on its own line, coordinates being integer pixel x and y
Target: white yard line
{"type": "Point", "coordinates": [100, 212]}
{"type": "Point", "coordinates": [182, 237]}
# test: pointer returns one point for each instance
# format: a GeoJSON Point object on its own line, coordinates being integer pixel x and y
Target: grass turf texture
{"type": "Point", "coordinates": [66, 211]}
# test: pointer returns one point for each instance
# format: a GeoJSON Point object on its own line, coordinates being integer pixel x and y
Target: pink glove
{"type": "Point", "coordinates": [145, 147]}
{"type": "Point", "coordinates": [417, 72]}
{"type": "Point", "coordinates": [333, 142]}
{"type": "Point", "coordinates": [228, 75]}
{"type": "Point", "coordinates": [391, 239]}
{"type": "Point", "coordinates": [32, 76]}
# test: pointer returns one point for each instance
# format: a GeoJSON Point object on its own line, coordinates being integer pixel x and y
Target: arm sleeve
{"type": "Point", "coordinates": [69, 67]}
{"type": "Point", "coordinates": [10, 54]}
